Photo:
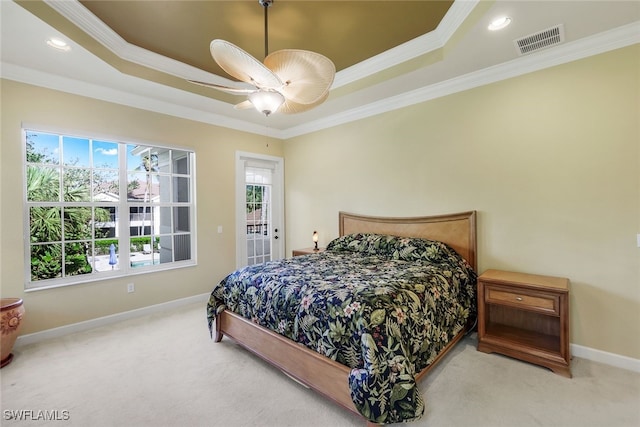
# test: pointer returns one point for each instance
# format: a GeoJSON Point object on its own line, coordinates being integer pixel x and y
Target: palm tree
{"type": "Point", "coordinates": [149, 163]}
{"type": "Point", "coordinates": [43, 184]}
{"type": "Point", "coordinates": [45, 224]}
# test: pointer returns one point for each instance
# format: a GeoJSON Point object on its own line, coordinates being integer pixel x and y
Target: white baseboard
{"type": "Point", "coordinates": [611, 359]}
{"type": "Point", "coordinates": [107, 320]}
{"type": "Point", "coordinates": [588, 353]}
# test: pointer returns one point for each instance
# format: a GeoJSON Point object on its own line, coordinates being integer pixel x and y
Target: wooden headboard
{"type": "Point", "coordinates": [456, 230]}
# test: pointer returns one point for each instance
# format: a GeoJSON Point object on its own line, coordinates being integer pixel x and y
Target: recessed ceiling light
{"type": "Point", "coordinates": [58, 44]}
{"type": "Point", "coordinates": [499, 23]}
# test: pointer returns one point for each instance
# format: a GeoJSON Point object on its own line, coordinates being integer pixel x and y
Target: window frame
{"type": "Point", "coordinates": [123, 207]}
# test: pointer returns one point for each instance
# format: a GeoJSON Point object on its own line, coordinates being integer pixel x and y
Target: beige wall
{"type": "Point", "coordinates": [550, 160]}
{"type": "Point", "coordinates": [215, 164]}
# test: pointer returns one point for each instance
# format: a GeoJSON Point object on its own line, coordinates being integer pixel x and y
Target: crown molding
{"type": "Point", "coordinates": [418, 46]}
{"type": "Point", "coordinates": [600, 43]}
{"type": "Point", "coordinates": [199, 108]}
{"type": "Point", "coordinates": [179, 107]}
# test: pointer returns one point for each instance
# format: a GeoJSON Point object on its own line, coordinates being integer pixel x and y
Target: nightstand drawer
{"type": "Point", "coordinates": [541, 302]}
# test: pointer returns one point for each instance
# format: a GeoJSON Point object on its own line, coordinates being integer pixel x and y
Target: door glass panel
{"type": "Point", "coordinates": [258, 214]}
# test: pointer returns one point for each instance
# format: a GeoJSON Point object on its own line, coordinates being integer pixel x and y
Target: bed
{"type": "Point", "coordinates": [364, 320]}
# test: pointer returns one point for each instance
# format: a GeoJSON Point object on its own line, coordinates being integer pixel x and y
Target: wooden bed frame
{"type": "Point", "coordinates": [316, 371]}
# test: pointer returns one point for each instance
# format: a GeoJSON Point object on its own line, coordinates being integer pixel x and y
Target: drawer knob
{"type": "Point", "coordinates": [518, 298]}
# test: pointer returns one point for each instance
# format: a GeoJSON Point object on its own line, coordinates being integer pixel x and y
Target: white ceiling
{"type": "Point", "coordinates": [459, 55]}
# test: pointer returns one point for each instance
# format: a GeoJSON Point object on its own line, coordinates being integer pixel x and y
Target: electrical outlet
{"type": "Point", "coordinates": [130, 287]}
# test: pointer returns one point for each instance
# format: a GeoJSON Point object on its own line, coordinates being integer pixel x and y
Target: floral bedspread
{"type": "Point", "coordinates": [385, 306]}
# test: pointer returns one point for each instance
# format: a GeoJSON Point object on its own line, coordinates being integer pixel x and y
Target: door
{"type": "Point", "coordinates": [259, 208]}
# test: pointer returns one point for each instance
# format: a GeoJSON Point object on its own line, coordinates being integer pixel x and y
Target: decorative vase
{"type": "Point", "coordinates": [10, 321]}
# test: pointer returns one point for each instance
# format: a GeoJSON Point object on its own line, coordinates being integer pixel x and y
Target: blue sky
{"type": "Point", "coordinates": [76, 150]}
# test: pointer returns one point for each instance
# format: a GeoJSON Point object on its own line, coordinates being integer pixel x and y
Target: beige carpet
{"type": "Point", "coordinates": [164, 370]}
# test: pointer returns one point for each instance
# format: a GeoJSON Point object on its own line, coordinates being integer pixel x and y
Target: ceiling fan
{"type": "Point", "coordinates": [289, 80]}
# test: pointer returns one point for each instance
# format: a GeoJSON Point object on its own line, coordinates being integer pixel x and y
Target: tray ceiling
{"type": "Point", "coordinates": [389, 54]}
{"type": "Point", "coordinates": [348, 32]}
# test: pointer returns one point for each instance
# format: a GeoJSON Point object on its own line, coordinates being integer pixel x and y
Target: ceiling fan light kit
{"type": "Point", "coordinates": [290, 80]}
{"type": "Point", "coordinates": [266, 101]}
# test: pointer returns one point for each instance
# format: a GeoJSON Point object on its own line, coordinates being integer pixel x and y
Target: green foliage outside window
{"type": "Point", "coordinates": [77, 210]}
{"type": "Point", "coordinates": [254, 197]}
{"type": "Point", "coordinates": [46, 222]}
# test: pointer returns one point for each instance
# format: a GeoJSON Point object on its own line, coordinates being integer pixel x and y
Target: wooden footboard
{"type": "Point", "coordinates": [318, 372]}
{"type": "Point", "coordinates": [312, 369]}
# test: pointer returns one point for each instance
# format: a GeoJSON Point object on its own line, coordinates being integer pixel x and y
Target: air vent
{"type": "Point", "coordinates": [540, 40]}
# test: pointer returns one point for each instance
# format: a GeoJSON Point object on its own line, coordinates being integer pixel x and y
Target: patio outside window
{"type": "Point", "coordinates": [96, 209]}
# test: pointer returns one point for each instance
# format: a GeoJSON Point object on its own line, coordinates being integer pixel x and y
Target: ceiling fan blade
{"type": "Point", "coordinates": [244, 67]}
{"type": "Point", "coordinates": [244, 105]}
{"type": "Point", "coordinates": [227, 89]}
{"type": "Point", "coordinates": [291, 107]}
{"type": "Point", "coordinates": [307, 76]}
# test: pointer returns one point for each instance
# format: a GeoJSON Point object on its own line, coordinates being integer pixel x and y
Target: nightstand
{"type": "Point", "coordinates": [306, 251]}
{"type": "Point", "coordinates": [525, 316]}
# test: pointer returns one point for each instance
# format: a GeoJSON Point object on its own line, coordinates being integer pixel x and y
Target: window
{"type": "Point", "coordinates": [96, 209]}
